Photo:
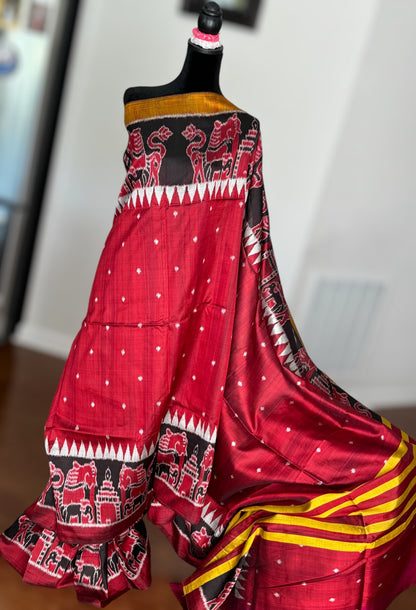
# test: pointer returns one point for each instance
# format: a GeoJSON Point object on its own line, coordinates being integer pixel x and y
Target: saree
{"type": "Point", "coordinates": [188, 396]}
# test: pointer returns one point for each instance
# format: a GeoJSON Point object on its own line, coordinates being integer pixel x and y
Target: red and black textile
{"type": "Point", "coordinates": [188, 395]}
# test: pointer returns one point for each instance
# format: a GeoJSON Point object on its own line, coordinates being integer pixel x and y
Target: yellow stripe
{"type": "Point", "coordinates": [231, 546]}
{"type": "Point", "coordinates": [382, 526]}
{"type": "Point", "coordinates": [324, 499]}
{"type": "Point", "coordinates": [282, 509]}
{"type": "Point", "coordinates": [386, 422]}
{"type": "Point", "coordinates": [395, 482]}
{"type": "Point", "coordinates": [339, 544]}
{"type": "Point", "coordinates": [297, 521]}
{"type": "Point", "coordinates": [388, 506]}
{"type": "Point", "coordinates": [336, 509]}
{"type": "Point", "coordinates": [393, 534]}
{"type": "Point", "coordinates": [287, 514]}
{"type": "Point", "coordinates": [394, 459]}
{"type": "Point", "coordinates": [341, 528]}
{"type": "Point", "coordinates": [174, 105]}
{"type": "Point", "coordinates": [331, 545]}
{"type": "Point", "coordinates": [393, 504]}
{"type": "Point", "coordinates": [217, 571]}
{"type": "Point", "coordinates": [381, 489]}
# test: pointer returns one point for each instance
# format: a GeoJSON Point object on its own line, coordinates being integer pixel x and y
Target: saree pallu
{"type": "Point", "coordinates": [188, 396]}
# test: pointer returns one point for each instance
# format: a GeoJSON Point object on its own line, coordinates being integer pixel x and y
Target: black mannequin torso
{"type": "Point", "coordinates": [201, 70]}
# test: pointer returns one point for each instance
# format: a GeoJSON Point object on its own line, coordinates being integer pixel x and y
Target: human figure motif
{"type": "Point", "coordinates": [56, 480]}
{"type": "Point", "coordinates": [205, 469]}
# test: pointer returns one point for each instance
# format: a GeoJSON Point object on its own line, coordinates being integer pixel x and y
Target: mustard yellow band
{"type": "Point", "coordinates": [174, 105]}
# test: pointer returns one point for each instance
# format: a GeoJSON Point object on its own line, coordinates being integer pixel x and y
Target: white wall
{"type": "Point", "coordinates": [298, 72]}
{"type": "Point", "coordinates": [365, 217]}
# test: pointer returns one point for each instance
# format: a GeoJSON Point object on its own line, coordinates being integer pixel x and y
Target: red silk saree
{"type": "Point", "coordinates": [188, 396]}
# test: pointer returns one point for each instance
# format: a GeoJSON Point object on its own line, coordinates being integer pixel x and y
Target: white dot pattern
{"type": "Point", "coordinates": [152, 278]}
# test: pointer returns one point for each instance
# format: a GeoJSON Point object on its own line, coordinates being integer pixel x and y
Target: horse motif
{"type": "Point", "coordinates": [222, 148]}
{"type": "Point", "coordinates": [214, 163]}
{"type": "Point", "coordinates": [172, 453]}
{"type": "Point", "coordinates": [142, 168]}
{"type": "Point", "coordinates": [133, 485]}
{"type": "Point", "coordinates": [78, 478]}
{"type": "Point", "coordinates": [197, 140]}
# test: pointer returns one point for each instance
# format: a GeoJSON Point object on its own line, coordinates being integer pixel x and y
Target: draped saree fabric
{"type": "Point", "coordinates": [188, 396]}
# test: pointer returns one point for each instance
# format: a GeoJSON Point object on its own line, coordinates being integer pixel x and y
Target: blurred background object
{"type": "Point", "coordinates": [239, 11]}
{"type": "Point", "coordinates": [34, 45]}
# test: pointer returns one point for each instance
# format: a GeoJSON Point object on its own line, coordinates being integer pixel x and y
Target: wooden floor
{"type": "Point", "coordinates": [28, 381]}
